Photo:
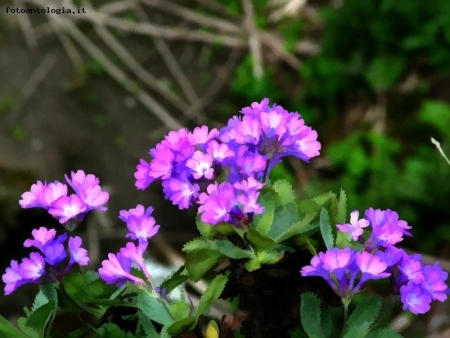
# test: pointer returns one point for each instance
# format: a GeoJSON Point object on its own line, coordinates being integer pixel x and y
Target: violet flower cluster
{"type": "Point", "coordinates": [346, 270]}
{"type": "Point", "coordinates": [117, 269]}
{"type": "Point", "coordinates": [223, 170]}
{"type": "Point", "coordinates": [69, 210]}
{"type": "Point", "coordinates": [54, 259]}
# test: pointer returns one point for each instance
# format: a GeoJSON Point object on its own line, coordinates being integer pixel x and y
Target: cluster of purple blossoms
{"type": "Point", "coordinates": [117, 268]}
{"type": "Point", "coordinates": [208, 166]}
{"type": "Point", "coordinates": [67, 209]}
{"type": "Point", "coordinates": [346, 270]}
{"type": "Point", "coordinates": [49, 264]}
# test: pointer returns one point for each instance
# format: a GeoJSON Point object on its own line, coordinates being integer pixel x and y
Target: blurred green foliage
{"type": "Point", "coordinates": [384, 55]}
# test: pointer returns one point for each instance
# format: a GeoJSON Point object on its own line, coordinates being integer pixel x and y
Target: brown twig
{"type": "Point", "coordinates": [254, 39]}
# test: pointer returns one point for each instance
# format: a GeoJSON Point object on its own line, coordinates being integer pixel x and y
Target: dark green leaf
{"type": "Point", "coordinates": [364, 315]}
{"type": "Point", "coordinates": [182, 326]}
{"type": "Point", "coordinates": [211, 294]}
{"type": "Point", "coordinates": [179, 310]}
{"type": "Point", "coordinates": [384, 72]}
{"type": "Point", "coordinates": [147, 325]}
{"type": "Point", "coordinates": [384, 333]}
{"type": "Point", "coordinates": [199, 262]}
{"type": "Point", "coordinates": [232, 251]}
{"type": "Point", "coordinates": [154, 308]}
{"type": "Point", "coordinates": [39, 319]}
{"type": "Point", "coordinates": [310, 315]}
{"type": "Point", "coordinates": [325, 228]}
{"type": "Point", "coordinates": [285, 218]}
{"type": "Point", "coordinates": [177, 278]}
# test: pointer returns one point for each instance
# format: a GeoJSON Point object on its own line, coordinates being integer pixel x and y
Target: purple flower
{"type": "Point", "coordinates": [217, 203]}
{"type": "Point", "coordinates": [201, 165]}
{"type": "Point", "coordinates": [387, 229]}
{"type": "Point", "coordinates": [54, 253]}
{"type": "Point", "coordinates": [141, 227]}
{"type": "Point", "coordinates": [371, 267]}
{"type": "Point", "coordinates": [219, 151]}
{"type": "Point", "coordinates": [68, 207]}
{"type": "Point", "coordinates": [355, 228]}
{"type": "Point", "coordinates": [138, 212]}
{"type": "Point", "coordinates": [41, 238]}
{"type": "Point", "coordinates": [200, 135]}
{"type": "Point", "coordinates": [434, 281]}
{"type": "Point", "coordinates": [43, 195]}
{"type": "Point", "coordinates": [136, 255]}
{"type": "Point", "coordinates": [142, 175]}
{"type": "Point", "coordinates": [78, 254]}
{"type": "Point", "coordinates": [88, 190]}
{"type": "Point", "coordinates": [415, 298]}
{"type": "Point", "coordinates": [13, 278]}
{"type": "Point", "coordinates": [117, 270]}
{"type": "Point", "coordinates": [32, 268]}
{"type": "Point", "coordinates": [180, 191]}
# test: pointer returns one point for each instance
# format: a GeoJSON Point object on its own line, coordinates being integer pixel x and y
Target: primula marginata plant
{"type": "Point", "coordinates": [284, 262]}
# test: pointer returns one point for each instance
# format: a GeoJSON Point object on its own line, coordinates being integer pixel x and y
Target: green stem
{"type": "Point", "coordinates": [266, 171]}
{"type": "Point", "coordinates": [346, 302]}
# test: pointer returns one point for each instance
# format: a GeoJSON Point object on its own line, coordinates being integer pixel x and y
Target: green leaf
{"type": "Point", "coordinates": [39, 300]}
{"type": "Point", "coordinates": [199, 262]}
{"type": "Point", "coordinates": [211, 294]}
{"type": "Point", "coordinates": [82, 288]}
{"type": "Point", "coordinates": [364, 315]}
{"type": "Point", "coordinates": [182, 326]}
{"type": "Point", "coordinates": [297, 228]}
{"type": "Point", "coordinates": [154, 307]}
{"type": "Point", "coordinates": [342, 208]}
{"type": "Point", "coordinates": [310, 315]}
{"type": "Point", "coordinates": [384, 333]}
{"type": "Point", "coordinates": [199, 244]}
{"type": "Point", "coordinates": [206, 230]}
{"type": "Point", "coordinates": [270, 257]}
{"type": "Point", "coordinates": [179, 310]}
{"type": "Point", "coordinates": [325, 228]}
{"type": "Point", "coordinates": [263, 222]}
{"type": "Point", "coordinates": [39, 319]}
{"type": "Point", "coordinates": [284, 192]}
{"type": "Point", "coordinates": [326, 322]}
{"type": "Point", "coordinates": [147, 325]}
{"type": "Point", "coordinates": [437, 114]}
{"type": "Point", "coordinates": [176, 279]}
{"type": "Point", "coordinates": [384, 72]}
{"type": "Point", "coordinates": [8, 330]}
{"type": "Point", "coordinates": [110, 330]}
{"type": "Point", "coordinates": [259, 241]}
{"type": "Point", "coordinates": [252, 264]}
{"type": "Point", "coordinates": [22, 323]}
{"type": "Point", "coordinates": [232, 251]}
{"type": "Point", "coordinates": [285, 218]}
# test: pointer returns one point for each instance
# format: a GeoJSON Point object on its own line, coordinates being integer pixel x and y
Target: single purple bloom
{"type": "Point", "coordinates": [201, 165]}
{"type": "Point", "coordinates": [54, 253]}
{"type": "Point", "coordinates": [78, 254]}
{"type": "Point", "coordinates": [138, 212]}
{"type": "Point", "coordinates": [249, 202]}
{"type": "Point", "coordinates": [141, 228]}
{"type": "Point", "coordinates": [434, 281]}
{"type": "Point", "coordinates": [162, 164]}
{"type": "Point", "coordinates": [371, 267]}
{"type": "Point", "coordinates": [142, 175]}
{"type": "Point", "coordinates": [88, 190]}
{"type": "Point", "coordinates": [415, 298]}
{"type": "Point", "coordinates": [355, 227]}
{"type": "Point", "coordinates": [200, 135]}
{"type": "Point", "coordinates": [410, 270]}
{"type": "Point", "coordinates": [68, 207]}
{"type": "Point", "coordinates": [136, 255]}
{"type": "Point", "coordinates": [217, 203]}
{"type": "Point", "coordinates": [117, 270]}
{"type": "Point", "coordinates": [13, 278]}
{"type": "Point", "coordinates": [180, 191]}
{"type": "Point", "coordinates": [219, 151]}
{"type": "Point", "coordinates": [41, 237]}
{"type": "Point", "coordinates": [52, 192]}
{"type": "Point", "coordinates": [30, 199]}
{"type": "Point", "coordinates": [248, 184]}
{"type": "Point", "coordinates": [32, 268]}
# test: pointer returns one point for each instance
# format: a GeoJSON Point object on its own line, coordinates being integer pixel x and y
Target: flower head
{"type": "Point", "coordinates": [117, 270]}
{"type": "Point", "coordinates": [140, 224]}
{"type": "Point", "coordinates": [355, 227]}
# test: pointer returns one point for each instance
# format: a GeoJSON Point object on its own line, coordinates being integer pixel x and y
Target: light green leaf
{"type": "Point", "coordinates": [284, 192]}
{"type": "Point", "coordinates": [147, 325]}
{"type": "Point", "coordinates": [310, 315]}
{"type": "Point", "coordinates": [199, 244]}
{"type": "Point", "coordinates": [8, 330]}
{"type": "Point", "coordinates": [39, 300]}
{"type": "Point", "coordinates": [252, 264]}
{"type": "Point", "coordinates": [154, 308]}
{"type": "Point", "coordinates": [342, 208]}
{"type": "Point", "coordinates": [177, 278]}
{"type": "Point", "coordinates": [206, 230]}
{"type": "Point", "coordinates": [362, 318]}
{"type": "Point", "coordinates": [230, 250]}
{"type": "Point", "coordinates": [179, 310]}
{"type": "Point", "coordinates": [211, 294]}
{"type": "Point", "coordinates": [325, 228]}
{"type": "Point", "coordinates": [259, 241]}
{"type": "Point", "coordinates": [270, 257]}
